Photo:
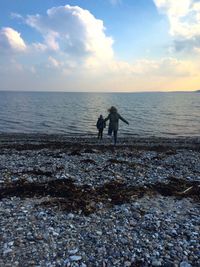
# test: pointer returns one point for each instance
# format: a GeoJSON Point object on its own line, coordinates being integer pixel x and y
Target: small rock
{"type": "Point", "coordinates": [73, 251]}
{"type": "Point", "coordinates": [156, 262]}
{"type": "Point", "coordinates": [70, 216]}
{"type": "Point", "coordinates": [9, 250]}
{"type": "Point", "coordinates": [99, 232]}
{"type": "Point", "coordinates": [127, 263]}
{"type": "Point", "coordinates": [174, 232]}
{"type": "Point", "coordinates": [75, 258]}
{"type": "Point", "coordinates": [185, 264]}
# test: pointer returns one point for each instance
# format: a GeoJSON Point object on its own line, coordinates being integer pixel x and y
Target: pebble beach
{"type": "Point", "coordinates": [83, 202]}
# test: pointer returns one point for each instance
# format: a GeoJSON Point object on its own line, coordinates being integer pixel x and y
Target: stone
{"type": "Point", "coordinates": [99, 232]}
{"type": "Point", "coordinates": [127, 264]}
{"type": "Point", "coordinates": [185, 264]}
{"type": "Point", "coordinates": [6, 251]}
{"type": "Point", "coordinates": [73, 251]}
{"type": "Point", "coordinates": [156, 262]}
{"type": "Point", "coordinates": [75, 258]}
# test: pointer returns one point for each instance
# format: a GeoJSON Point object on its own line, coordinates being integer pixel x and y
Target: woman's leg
{"type": "Point", "coordinates": [101, 133]}
{"type": "Point", "coordinates": [109, 130]}
{"type": "Point", "coordinates": [115, 137]}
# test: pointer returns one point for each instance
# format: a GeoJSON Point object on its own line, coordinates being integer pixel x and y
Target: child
{"type": "Point", "coordinates": [100, 126]}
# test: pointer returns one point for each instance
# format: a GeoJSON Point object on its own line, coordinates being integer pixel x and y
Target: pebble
{"type": "Point", "coordinates": [6, 251]}
{"type": "Point", "coordinates": [73, 251]}
{"type": "Point", "coordinates": [75, 258]}
{"type": "Point", "coordinates": [156, 262]}
{"type": "Point", "coordinates": [185, 264]}
{"type": "Point", "coordinates": [99, 232]}
{"type": "Point", "coordinates": [127, 264]}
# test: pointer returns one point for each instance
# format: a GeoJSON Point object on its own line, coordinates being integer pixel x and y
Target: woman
{"type": "Point", "coordinates": [114, 118]}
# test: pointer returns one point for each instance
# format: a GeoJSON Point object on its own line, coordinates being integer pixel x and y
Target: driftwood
{"type": "Point", "coordinates": [186, 191]}
{"type": "Point", "coordinates": [191, 191]}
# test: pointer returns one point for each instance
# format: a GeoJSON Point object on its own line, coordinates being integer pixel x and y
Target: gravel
{"type": "Point", "coordinates": [149, 226]}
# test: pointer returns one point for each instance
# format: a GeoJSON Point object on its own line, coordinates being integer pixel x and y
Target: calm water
{"type": "Point", "coordinates": [149, 114]}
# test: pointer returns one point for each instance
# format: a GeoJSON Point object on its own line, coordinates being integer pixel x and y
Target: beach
{"type": "Point", "coordinates": [71, 73]}
{"type": "Point", "coordinates": [79, 201]}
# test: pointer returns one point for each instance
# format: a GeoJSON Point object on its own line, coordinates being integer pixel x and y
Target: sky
{"type": "Point", "coordinates": [100, 45]}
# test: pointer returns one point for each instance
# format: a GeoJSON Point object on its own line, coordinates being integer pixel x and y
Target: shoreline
{"type": "Point", "coordinates": [10, 140]}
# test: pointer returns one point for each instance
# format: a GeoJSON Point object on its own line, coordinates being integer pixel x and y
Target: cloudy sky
{"type": "Point", "coordinates": [100, 45]}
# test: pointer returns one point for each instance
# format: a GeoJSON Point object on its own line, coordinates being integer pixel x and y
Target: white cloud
{"type": "Point", "coordinates": [74, 38]}
{"type": "Point", "coordinates": [74, 31]}
{"type": "Point", "coordinates": [197, 50]}
{"type": "Point", "coordinates": [38, 47]}
{"type": "Point", "coordinates": [54, 74]}
{"type": "Point", "coordinates": [148, 75]}
{"type": "Point", "coordinates": [77, 54]}
{"type": "Point", "coordinates": [173, 67]}
{"type": "Point", "coordinates": [16, 16]}
{"type": "Point", "coordinates": [174, 8]}
{"type": "Point", "coordinates": [11, 40]}
{"type": "Point", "coordinates": [165, 67]}
{"type": "Point", "coordinates": [184, 19]}
{"type": "Point", "coordinates": [54, 63]}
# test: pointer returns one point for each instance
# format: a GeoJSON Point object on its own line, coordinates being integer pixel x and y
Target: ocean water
{"type": "Point", "coordinates": [149, 114]}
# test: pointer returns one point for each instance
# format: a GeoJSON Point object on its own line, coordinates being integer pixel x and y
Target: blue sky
{"type": "Point", "coordinates": [101, 45]}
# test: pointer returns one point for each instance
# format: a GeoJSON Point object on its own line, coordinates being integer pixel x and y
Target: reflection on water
{"type": "Point", "coordinates": [158, 114]}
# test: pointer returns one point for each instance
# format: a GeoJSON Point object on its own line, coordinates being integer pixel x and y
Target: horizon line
{"type": "Point", "coordinates": [104, 92]}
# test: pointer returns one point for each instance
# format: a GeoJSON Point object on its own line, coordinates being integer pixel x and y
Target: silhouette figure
{"type": "Point", "coordinates": [114, 118]}
{"type": "Point", "coordinates": [100, 126]}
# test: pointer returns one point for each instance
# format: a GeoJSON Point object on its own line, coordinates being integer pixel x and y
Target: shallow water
{"type": "Point", "coordinates": [149, 114]}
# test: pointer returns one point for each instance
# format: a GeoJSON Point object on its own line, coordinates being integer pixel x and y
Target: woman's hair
{"type": "Point", "coordinates": [112, 110]}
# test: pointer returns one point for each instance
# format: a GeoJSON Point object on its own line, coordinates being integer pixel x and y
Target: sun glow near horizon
{"type": "Point", "coordinates": [74, 47]}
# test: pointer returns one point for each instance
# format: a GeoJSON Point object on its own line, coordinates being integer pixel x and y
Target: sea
{"type": "Point", "coordinates": [75, 114]}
